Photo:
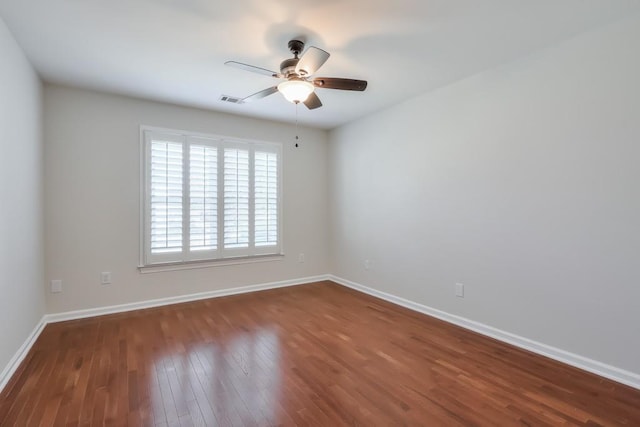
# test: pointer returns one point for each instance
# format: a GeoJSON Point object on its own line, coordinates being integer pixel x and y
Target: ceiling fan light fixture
{"type": "Point", "coordinates": [295, 90]}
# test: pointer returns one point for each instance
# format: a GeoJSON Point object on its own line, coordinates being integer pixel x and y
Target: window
{"type": "Point", "coordinates": [207, 198]}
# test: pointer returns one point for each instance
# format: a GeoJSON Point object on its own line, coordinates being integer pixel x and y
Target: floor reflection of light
{"type": "Point", "coordinates": [236, 379]}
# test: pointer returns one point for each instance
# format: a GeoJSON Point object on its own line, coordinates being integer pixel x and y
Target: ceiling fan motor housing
{"type": "Point", "coordinates": [288, 67]}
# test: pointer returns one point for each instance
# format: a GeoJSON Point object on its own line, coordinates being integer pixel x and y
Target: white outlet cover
{"type": "Point", "coordinates": [105, 278]}
{"type": "Point", "coordinates": [460, 290]}
{"type": "Point", "coordinates": [56, 286]}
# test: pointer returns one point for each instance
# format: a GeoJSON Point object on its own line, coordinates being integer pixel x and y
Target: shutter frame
{"type": "Point", "coordinates": [150, 256]}
{"type": "Point", "coordinates": [191, 216]}
{"type": "Point", "coordinates": [213, 253]}
{"type": "Point", "coordinates": [273, 154]}
{"type": "Point", "coordinates": [236, 247]}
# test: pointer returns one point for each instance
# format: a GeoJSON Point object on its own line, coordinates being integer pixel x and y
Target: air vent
{"type": "Point", "coordinates": [231, 99]}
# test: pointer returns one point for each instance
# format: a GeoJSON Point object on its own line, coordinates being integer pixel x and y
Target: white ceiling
{"type": "Point", "coordinates": [174, 50]}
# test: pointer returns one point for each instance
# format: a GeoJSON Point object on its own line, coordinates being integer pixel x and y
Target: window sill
{"type": "Point", "coordinates": [190, 265]}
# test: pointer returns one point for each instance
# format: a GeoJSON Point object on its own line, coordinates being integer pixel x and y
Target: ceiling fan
{"type": "Point", "coordinates": [299, 84]}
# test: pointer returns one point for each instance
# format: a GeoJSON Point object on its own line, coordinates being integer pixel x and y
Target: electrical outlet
{"type": "Point", "coordinates": [367, 264]}
{"type": "Point", "coordinates": [105, 277]}
{"type": "Point", "coordinates": [460, 290]}
{"type": "Point", "coordinates": [301, 257]}
{"type": "Point", "coordinates": [56, 286]}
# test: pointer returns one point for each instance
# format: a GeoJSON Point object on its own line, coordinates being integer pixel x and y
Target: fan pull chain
{"type": "Point", "coordinates": [297, 124]}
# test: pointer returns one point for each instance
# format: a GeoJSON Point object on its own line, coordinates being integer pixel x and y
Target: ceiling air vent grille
{"type": "Point", "coordinates": [231, 99]}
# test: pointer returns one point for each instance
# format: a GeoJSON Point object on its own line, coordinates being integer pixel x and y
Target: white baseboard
{"type": "Point", "coordinates": [121, 308]}
{"type": "Point", "coordinates": [17, 359]}
{"type": "Point", "coordinates": [604, 370]}
{"type": "Point", "coordinates": [14, 363]}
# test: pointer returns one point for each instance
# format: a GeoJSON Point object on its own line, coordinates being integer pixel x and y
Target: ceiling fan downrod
{"type": "Point", "coordinates": [295, 46]}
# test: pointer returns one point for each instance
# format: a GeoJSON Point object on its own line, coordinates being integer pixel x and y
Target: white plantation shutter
{"type": "Point", "coordinates": [266, 198]}
{"type": "Point", "coordinates": [236, 198]}
{"type": "Point", "coordinates": [206, 198]}
{"type": "Point", "coordinates": [203, 197]}
{"type": "Point", "coordinates": [165, 197]}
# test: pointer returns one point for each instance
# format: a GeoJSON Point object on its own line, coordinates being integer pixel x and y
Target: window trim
{"type": "Point", "coordinates": [223, 256]}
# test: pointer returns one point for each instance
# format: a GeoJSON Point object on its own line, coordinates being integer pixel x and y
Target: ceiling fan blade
{"type": "Point", "coordinates": [342, 84]}
{"type": "Point", "coordinates": [311, 60]}
{"type": "Point", "coordinates": [252, 68]}
{"type": "Point", "coordinates": [259, 95]}
{"type": "Point", "coordinates": [312, 102]}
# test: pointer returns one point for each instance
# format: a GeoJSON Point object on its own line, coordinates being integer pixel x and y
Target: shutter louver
{"type": "Point", "coordinates": [236, 198]}
{"type": "Point", "coordinates": [203, 193]}
{"type": "Point", "coordinates": [266, 198]}
{"type": "Point", "coordinates": [166, 197]}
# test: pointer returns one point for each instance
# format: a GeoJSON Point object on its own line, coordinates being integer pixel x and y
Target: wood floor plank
{"type": "Point", "coordinates": [317, 355]}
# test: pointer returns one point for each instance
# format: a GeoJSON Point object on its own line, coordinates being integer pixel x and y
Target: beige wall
{"type": "Point", "coordinates": [92, 171]}
{"type": "Point", "coordinates": [522, 183]}
{"type": "Point", "coordinates": [21, 212]}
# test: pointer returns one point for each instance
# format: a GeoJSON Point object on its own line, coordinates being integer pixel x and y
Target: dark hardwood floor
{"type": "Point", "coordinates": [316, 354]}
